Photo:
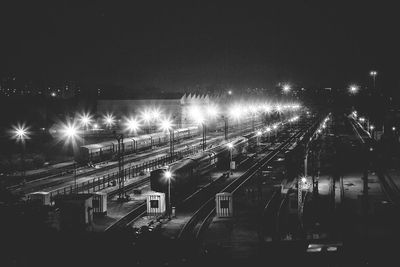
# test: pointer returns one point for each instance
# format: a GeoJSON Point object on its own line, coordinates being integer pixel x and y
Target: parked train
{"type": "Point", "coordinates": [106, 150]}
{"type": "Point", "coordinates": [185, 172]}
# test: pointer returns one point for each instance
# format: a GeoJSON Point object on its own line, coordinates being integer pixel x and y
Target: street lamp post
{"type": "Point", "coordinates": [70, 132]}
{"type": "Point", "coordinates": [168, 176]}
{"type": "Point", "coordinates": [230, 146]}
{"type": "Point", "coordinates": [373, 74]}
{"type": "Point", "coordinates": [20, 134]}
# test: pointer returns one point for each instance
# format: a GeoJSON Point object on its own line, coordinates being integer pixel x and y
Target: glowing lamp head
{"type": "Point", "coordinates": [303, 180]}
{"type": "Point", "coordinates": [393, 128]}
{"type": "Point", "coordinates": [146, 116]}
{"type": "Point", "coordinates": [268, 129]}
{"type": "Point", "coordinates": [353, 89]}
{"type": "Point", "coordinates": [230, 92]}
{"type": "Point", "coordinates": [373, 73]}
{"type": "Point", "coordinates": [362, 119]}
{"type": "Point", "coordinates": [259, 133]}
{"type": "Point", "coordinates": [275, 126]}
{"type": "Point", "coordinates": [168, 175]}
{"type": "Point", "coordinates": [109, 120]}
{"type": "Point", "coordinates": [286, 88]}
{"type": "Point", "coordinates": [132, 125]}
{"type": "Point", "coordinates": [166, 124]}
{"type": "Point", "coordinates": [85, 119]}
{"type": "Point", "coordinates": [372, 127]}
{"type": "Point", "coordinates": [230, 145]}
{"type": "Point", "coordinates": [20, 133]}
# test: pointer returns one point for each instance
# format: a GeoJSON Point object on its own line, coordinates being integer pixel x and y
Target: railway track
{"type": "Point", "coordinates": [388, 186]}
{"type": "Point", "coordinates": [18, 188]}
{"type": "Point", "coordinates": [203, 215]}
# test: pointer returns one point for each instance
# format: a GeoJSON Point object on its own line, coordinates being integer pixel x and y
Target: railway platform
{"type": "Point", "coordinates": [171, 228]}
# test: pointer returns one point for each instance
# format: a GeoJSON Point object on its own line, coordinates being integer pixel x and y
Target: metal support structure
{"type": "Point", "coordinates": [121, 178]}
{"type": "Point", "coordinates": [230, 163]}
{"type": "Point", "coordinates": [75, 185]}
{"type": "Point", "coordinates": [299, 196]}
{"type": "Point", "coordinates": [204, 136]}
{"type": "Point", "coordinates": [169, 198]}
{"type": "Point", "coordinates": [225, 127]}
{"type": "Point", "coordinates": [171, 142]}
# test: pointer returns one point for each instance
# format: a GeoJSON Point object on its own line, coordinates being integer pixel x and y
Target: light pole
{"type": "Point", "coordinates": [259, 133]}
{"type": "Point", "coordinates": [225, 118]}
{"type": "Point", "coordinates": [168, 176]}
{"type": "Point", "coordinates": [20, 133]}
{"type": "Point", "coordinates": [371, 129]}
{"type": "Point", "coordinates": [230, 146]}
{"type": "Point", "coordinates": [166, 125]}
{"type": "Point", "coordinates": [70, 134]}
{"type": "Point", "coordinates": [109, 120]}
{"type": "Point", "coordinates": [85, 120]}
{"type": "Point", "coordinates": [373, 74]}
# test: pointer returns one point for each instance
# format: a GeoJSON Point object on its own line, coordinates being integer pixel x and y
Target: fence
{"type": "Point", "coordinates": [111, 179]}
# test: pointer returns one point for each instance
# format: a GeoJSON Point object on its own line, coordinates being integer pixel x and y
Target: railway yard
{"type": "Point", "coordinates": [313, 190]}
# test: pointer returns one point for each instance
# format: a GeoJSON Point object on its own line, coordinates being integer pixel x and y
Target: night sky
{"type": "Point", "coordinates": [174, 46]}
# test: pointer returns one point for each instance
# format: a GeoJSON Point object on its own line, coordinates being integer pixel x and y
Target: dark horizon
{"type": "Point", "coordinates": [173, 46]}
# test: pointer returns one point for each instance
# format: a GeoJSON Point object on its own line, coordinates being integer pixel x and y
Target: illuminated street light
{"type": "Point", "coordinates": [109, 120]}
{"type": "Point", "coordinates": [303, 180]}
{"type": "Point", "coordinates": [393, 128]}
{"type": "Point", "coordinates": [146, 117]}
{"type": "Point", "coordinates": [353, 89]}
{"type": "Point", "coordinates": [85, 119]}
{"type": "Point", "coordinates": [286, 88]}
{"type": "Point", "coordinates": [20, 133]}
{"type": "Point", "coordinates": [132, 125]}
{"type": "Point", "coordinates": [373, 74]}
{"type": "Point", "coordinates": [168, 176]}
{"type": "Point", "coordinates": [70, 134]}
{"type": "Point", "coordinates": [230, 92]}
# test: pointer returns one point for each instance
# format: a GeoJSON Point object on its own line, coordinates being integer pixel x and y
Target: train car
{"type": "Point", "coordinates": [142, 142]}
{"type": "Point", "coordinates": [128, 146]}
{"type": "Point", "coordinates": [95, 152]}
{"type": "Point", "coordinates": [185, 174]}
{"type": "Point", "coordinates": [159, 139]}
{"type": "Point", "coordinates": [193, 131]}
